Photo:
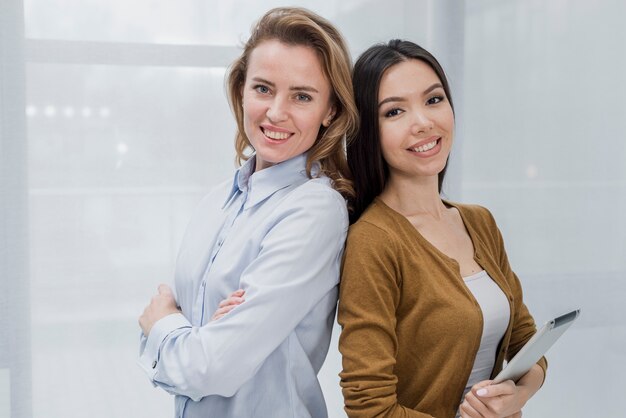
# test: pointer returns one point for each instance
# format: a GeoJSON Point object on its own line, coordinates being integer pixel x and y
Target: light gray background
{"type": "Point", "coordinates": [115, 123]}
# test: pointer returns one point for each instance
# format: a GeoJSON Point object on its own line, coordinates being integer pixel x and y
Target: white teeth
{"type": "Point", "coordinates": [425, 147]}
{"type": "Point", "coordinates": [276, 135]}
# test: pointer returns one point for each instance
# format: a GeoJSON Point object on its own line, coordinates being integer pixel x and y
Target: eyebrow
{"type": "Point", "coordinates": [310, 89]}
{"type": "Point", "coordinates": [403, 99]}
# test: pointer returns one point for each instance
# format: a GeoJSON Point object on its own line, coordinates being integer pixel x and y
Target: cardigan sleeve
{"type": "Point", "coordinates": [369, 296]}
{"type": "Point", "coordinates": [523, 323]}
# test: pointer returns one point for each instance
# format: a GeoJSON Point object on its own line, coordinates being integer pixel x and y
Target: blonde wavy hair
{"type": "Point", "coordinates": [298, 26]}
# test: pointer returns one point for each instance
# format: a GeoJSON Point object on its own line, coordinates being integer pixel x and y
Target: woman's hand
{"type": "Point", "coordinates": [161, 305]}
{"type": "Point", "coordinates": [225, 306]}
{"type": "Point", "coordinates": [506, 399]}
{"type": "Point", "coordinates": [493, 401]}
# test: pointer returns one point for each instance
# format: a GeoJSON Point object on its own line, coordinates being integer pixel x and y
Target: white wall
{"type": "Point", "coordinates": [128, 125]}
{"type": "Point", "coordinates": [545, 149]}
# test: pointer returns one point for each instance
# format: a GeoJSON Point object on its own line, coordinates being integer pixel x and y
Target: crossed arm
{"type": "Point", "coordinates": [218, 357]}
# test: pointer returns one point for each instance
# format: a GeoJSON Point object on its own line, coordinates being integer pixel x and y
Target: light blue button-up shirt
{"type": "Point", "coordinates": [279, 236]}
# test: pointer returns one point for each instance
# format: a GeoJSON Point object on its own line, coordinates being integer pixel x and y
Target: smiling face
{"type": "Point", "coordinates": [286, 99]}
{"type": "Point", "coordinates": [415, 119]}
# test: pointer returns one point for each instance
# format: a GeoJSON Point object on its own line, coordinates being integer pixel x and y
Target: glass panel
{"type": "Point", "coordinates": [203, 22]}
{"type": "Point", "coordinates": [118, 158]}
{"type": "Point", "coordinates": [543, 149]}
{"type": "Point", "coordinates": [151, 21]}
{"type": "Point", "coordinates": [100, 126]}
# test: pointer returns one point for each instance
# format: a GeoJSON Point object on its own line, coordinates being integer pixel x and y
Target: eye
{"type": "Point", "coordinates": [435, 100]}
{"type": "Point", "coordinates": [260, 88]}
{"type": "Point", "coordinates": [393, 112]}
{"type": "Point", "coordinates": [301, 97]}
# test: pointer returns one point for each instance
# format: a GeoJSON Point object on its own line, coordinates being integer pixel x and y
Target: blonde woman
{"type": "Point", "coordinates": [257, 274]}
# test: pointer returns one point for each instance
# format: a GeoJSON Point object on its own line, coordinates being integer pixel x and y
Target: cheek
{"type": "Point", "coordinates": [253, 107]}
{"type": "Point", "coordinates": [308, 140]}
{"type": "Point", "coordinates": [388, 139]}
{"type": "Point", "coordinates": [448, 121]}
{"type": "Point", "coordinates": [251, 110]}
{"type": "Point", "coordinates": [310, 125]}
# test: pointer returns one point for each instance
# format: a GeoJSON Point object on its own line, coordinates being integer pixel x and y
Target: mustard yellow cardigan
{"type": "Point", "coordinates": [410, 327]}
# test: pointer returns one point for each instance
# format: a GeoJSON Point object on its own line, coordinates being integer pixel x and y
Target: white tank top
{"type": "Point", "coordinates": [496, 312]}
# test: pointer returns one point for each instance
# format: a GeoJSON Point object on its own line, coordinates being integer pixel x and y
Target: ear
{"type": "Point", "coordinates": [329, 117]}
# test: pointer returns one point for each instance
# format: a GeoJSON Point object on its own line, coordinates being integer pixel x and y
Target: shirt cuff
{"type": "Point", "coordinates": [149, 358]}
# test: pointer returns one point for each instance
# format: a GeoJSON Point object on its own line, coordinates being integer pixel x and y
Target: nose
{"type": "Point", "coordinates": [277, 110]}
{"type": "Point", "coordinates": [421, 123]}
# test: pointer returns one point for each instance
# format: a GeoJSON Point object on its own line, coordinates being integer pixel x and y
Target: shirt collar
{"type": "Point", "coordinates": [262, 184]}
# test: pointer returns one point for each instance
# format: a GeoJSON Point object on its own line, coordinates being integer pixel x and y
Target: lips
{"type": "Point", "coordinates": [423, 147]}
{"type": "Point", "coordinates": [425, 144]}
{"type": "Point", "coordinates": [275, 133]}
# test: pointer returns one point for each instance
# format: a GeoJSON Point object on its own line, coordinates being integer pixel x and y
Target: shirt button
{"type": "Point", "coordinates": [154, 363]}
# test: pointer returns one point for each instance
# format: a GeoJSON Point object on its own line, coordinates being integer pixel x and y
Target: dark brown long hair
{"type": "Point", "coordinates": [369, 169]}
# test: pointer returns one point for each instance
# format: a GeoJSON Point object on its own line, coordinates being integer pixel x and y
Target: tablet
{"type": "Point", "coordinates": [536, 347]}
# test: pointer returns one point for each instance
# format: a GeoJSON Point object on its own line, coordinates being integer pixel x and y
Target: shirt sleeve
{"type": "Point", "coordinates": [369, 296]}
{"type": "Point", "coordinates": [524, 326]}
{"type": "Point", "coordinates": [297, 268]}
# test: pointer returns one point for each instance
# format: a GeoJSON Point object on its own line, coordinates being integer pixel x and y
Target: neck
{"type": "Point", "coordinates": [414, 196]}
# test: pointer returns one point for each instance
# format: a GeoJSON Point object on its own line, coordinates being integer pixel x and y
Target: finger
{"type": "Point", "coordinates": [164, 290]}
{"type": "Point", "coordinates": [231, 301]}
{"type": "Point", "coordinates": [482, 384]}
{"type": "Point", "coordinates": [467, 411]}
{"type": "Point", "coordinates": [144, 323]}
{"type": "Point", "coordinates": [504, 388]}
{"type": "Point", "coordinates": [221, 312]}
{"type": "Point", "coordinates": [216, 315]}
{"type": "Point", "coordinates": [225, 309]}
{"type": "Point", "coordinates": [238, 292]}
{"type": "Point", "coordinates": [478, 405]}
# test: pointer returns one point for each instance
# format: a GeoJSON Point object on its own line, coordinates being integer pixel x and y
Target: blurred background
{"type": "Point", "coordinates": [114, 123]}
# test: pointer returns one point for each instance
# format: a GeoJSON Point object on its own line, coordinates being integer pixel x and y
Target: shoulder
{"type": "Point", "coordinates": [478, 216]}
{"type": "Point", "coordinates": [380, 223]}
{"type": "Point", "coordinates": [373, 254]}
{"type": "Point", "coordinates": [374, 233]}
{"type": "Point", "coordinates": [315, 198]}
{"type": "Point", "coordinates": [321, 187]}
{"type": "Point", "coordinates": [318, 191]}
